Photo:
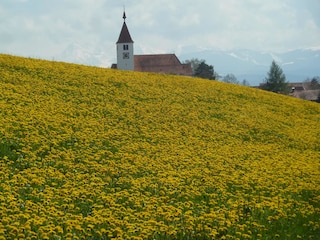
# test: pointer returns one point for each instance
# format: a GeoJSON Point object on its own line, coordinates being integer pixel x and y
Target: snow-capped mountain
{"type": "Point", "coordinates": [253, 66]}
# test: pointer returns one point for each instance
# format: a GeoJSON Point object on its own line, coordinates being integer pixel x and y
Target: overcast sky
{"type": "Point", "coordinates": [52, 29]}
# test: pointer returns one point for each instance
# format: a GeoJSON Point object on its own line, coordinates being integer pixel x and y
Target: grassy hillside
{"type": "Point", "coordinates": [98, 154]}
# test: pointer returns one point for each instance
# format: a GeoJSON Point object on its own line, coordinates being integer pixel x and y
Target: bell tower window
{"type": "Point", "coordinates": [125, 47]}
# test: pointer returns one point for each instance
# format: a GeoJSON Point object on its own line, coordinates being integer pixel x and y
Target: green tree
{"type": "Point", "coordinates": [315, 83]}
{"type": "Point", "coordinates": [205, 71]}
{"type": "Point", "coordinates": [245, 82]}
{"type": "Point", "coordinates": [276, 80]}
{"type": "Point", "coordinates": [230, 78]}
{"type": "Point", "coordinates": [312, 84]}
{"type": "Point", "coordinates": [195, 62]}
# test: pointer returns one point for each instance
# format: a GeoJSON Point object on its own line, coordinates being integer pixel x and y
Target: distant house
{"type": "Point", "coordinates": [304, 90]}
{"type": "Point", "coordinates": [158, 63]}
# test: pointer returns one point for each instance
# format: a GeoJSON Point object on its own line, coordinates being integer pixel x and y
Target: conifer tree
{"type": "Point", "coordinates": [205, 71]}
{"type": "Point", "coordinates": [276, 80]}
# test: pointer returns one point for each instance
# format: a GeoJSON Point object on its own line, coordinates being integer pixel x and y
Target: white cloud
{"type": "Point", "coordinates": [46, 28]}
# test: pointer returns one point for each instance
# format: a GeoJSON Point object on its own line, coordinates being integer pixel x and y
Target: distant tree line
{"type": "Point", "coordinates": [231, 78]}
{"type": "Point", "coordinates": [274, 82]}
{"type": "Point", "coordinates": [202, 70]}
{"type": "Point", "coordinates": [314, 83]}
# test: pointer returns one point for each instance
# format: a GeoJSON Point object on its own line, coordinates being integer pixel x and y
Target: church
{"type": "Point", "coordinates": [158, 63]}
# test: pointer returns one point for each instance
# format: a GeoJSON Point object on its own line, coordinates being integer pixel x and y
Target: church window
{"type": "Point", "coordinates": [125, 47]}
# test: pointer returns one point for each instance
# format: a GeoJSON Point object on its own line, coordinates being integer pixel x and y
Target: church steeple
{"type": "Point", "coordinates": [125, 58]}
{"type": "Point", "coordinates": [124, 36]}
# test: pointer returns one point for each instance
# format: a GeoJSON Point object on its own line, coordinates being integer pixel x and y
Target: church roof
{"type": "Point", "coordinates": [161, 63]}
{"type": "Point", "coordinates": [124, 36]}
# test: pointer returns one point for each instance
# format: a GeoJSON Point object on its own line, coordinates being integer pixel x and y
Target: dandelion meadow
{"type": "Point", "coordinates": [93, 153]}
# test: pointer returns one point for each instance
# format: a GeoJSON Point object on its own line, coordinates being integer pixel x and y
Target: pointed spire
{"type": "Point", "coordinates": [124, 34]}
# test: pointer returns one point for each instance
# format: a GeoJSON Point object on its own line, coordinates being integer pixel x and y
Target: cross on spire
{"type": "Point", "coordinates": [124, 14]}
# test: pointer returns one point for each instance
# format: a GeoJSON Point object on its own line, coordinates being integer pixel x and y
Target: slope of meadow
{"type": "Point", "coordinates": [99, 154]}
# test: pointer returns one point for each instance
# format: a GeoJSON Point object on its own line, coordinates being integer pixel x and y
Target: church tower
{"type": "Point", "coordinates": [125, 57]}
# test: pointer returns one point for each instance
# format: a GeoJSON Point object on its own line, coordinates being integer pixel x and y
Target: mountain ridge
{"type": "Point", "coordinates": [252, 65]}
{"type": "Point", "coordinates": [298, 65]}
